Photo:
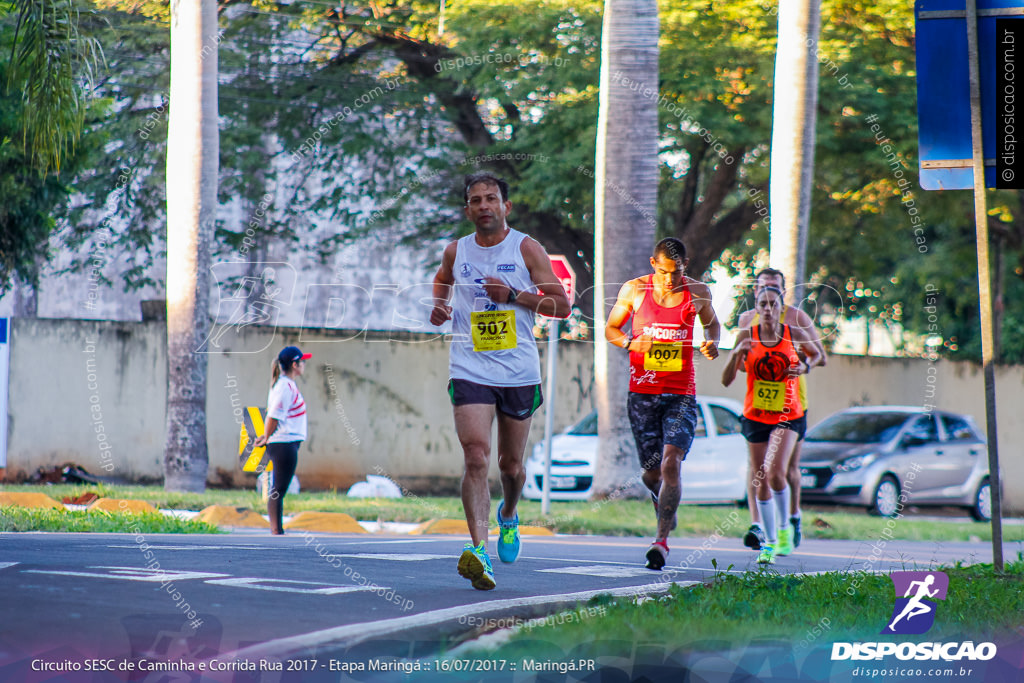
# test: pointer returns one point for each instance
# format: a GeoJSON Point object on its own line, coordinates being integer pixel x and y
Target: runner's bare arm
{"type": "Point", "coordinates": [805, 343]}
{"type": "Point", "coordinates": [737, 357]}
{"type": "Point", "coordinates": [620, 313]}
{"type": "Point", "coordinates": [443, 281]}
{"type": "Point", "coordinates": [551, 301]}
{"type": "Point", "coordinates": [804, 322]}
{"type": "Point", "coordinates": [708, 318]}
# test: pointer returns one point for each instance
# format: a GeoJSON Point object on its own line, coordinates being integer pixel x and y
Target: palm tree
{"type": "Point", "coordinates": [192, 167]}
{"type": "Point", "coordinates": [52, 65]}
{"type": "Point", "coordinates": [626, 199]}
{"type": "Point", "coordinates": [793, 125]}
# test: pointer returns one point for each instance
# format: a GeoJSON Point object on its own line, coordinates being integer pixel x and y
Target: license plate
{"type": "Point", "coordinates": [563, 482]}
{"type": "Point", "coordinates": [808, 481]}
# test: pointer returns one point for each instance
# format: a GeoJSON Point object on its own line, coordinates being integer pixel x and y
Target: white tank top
{"type": "Point", "coordinates": [492, 343]}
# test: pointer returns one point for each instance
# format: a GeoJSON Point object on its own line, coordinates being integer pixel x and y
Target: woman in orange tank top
{"type": "Point", "coordinates": [773, 418]}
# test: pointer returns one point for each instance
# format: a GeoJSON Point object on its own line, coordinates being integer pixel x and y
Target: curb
{"type": "Point", "coordinates": [28, 500]}
{"type": "Point", "coordinates": [119, 505]}
{"type": "Point", "coordinates": [225, 516]}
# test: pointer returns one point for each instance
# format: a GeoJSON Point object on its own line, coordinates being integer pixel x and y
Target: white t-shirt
{"type": "Point", "coordinates": [286, 405]}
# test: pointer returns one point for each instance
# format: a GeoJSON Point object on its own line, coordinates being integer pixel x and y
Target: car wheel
{"type": "Point", "coordinates": [982, 508]}
{"type": "Point", "coordinates": [885, 500]}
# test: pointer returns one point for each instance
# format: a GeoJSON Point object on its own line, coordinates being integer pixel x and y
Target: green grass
{"type": "Point", "coordinates": [612, 518]}
{"type": "Point", "coordinates": [762, 606]}
{"type": "Point", "coordinates": [14, 518]}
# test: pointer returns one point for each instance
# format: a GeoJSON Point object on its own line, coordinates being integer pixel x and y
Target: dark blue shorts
{"type": "Point", "coordinates": [659, 419]}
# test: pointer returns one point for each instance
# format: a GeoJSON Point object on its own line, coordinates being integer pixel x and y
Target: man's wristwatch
{"type": "Point", "coordinates": [512, 294]}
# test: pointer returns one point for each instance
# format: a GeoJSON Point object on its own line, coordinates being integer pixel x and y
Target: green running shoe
{"type": "Point", "coordinates": [785, 545]}
{"type": "Point", "coordinates": [476, 566]}
{"type": "Point", "coordinates": [508, 537]}
{"type": "Point", "coordinates": [767, 554]}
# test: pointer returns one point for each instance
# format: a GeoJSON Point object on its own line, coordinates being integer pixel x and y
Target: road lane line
{"type": "Point", "coordinates": [352, 634]}
{"type": "Point", "coordinates": [268, 585]}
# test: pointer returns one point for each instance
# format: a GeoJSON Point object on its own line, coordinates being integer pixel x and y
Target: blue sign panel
{"type": "Point", "coordinates": [943, 91]}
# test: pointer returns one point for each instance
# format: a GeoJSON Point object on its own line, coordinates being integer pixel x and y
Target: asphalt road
{"type": "Point", "coordinates": [321, 600]}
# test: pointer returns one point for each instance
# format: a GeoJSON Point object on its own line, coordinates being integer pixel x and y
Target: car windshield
{"type": "Point", "coordinates": [585, 427]}
{"type": "Point", "coordinates": [858, 427]}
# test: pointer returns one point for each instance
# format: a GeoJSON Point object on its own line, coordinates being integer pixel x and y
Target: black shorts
{"type": "Point", "coordinates": [758, 432]}
{"type": "Point", "coordinates": [659, 419]}
{"type": "Point", "coordinates": [516, 402]}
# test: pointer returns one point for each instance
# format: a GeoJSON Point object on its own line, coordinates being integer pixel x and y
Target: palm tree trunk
{"type": "Point", "coordinates": [793, 122]}
{"type": "Point", "coordinates": [626, 197]}
{"type": "Point", "coordinates": [192, 167]}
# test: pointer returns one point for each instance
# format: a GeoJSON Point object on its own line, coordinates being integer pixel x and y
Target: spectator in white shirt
{"type": "Point", "coordinates": [285, 428]}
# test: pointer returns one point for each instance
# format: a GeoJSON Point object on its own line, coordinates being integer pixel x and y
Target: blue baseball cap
{"type": "Point", "coordinates": [290, 354]}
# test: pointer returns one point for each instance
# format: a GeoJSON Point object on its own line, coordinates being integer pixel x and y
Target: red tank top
{"type": "Point", "coordinates": [668, 367]}
{"type": "Point", "coordinates": [772, 397]}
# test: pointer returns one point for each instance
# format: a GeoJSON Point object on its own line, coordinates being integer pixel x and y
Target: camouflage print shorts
{"type": "Point", "coordinates": [659, 419]}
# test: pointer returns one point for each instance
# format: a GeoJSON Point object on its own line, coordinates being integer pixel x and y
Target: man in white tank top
{"type": "Point", "coordinates": [490, 285]}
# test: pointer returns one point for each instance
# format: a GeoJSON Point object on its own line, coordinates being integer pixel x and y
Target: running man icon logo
{"type": "Point", "coordinates": [914, 612]}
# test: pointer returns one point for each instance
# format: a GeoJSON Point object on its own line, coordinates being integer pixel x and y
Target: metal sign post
{"type": "Point", "coordinates": [554, 330]}
{"type": "Point", "coordinates": [950, 92]}
{"type": "Point", "coordinates": [984, 286]}
{"type": "Point", "coordinates": [565, 274]}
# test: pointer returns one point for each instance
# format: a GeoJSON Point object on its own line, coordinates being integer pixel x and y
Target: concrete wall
{"type": "Point", "coordinates": [377, 400]}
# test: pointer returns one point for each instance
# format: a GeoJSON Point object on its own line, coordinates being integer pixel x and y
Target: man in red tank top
{"type": "Point", "coordinates": [661, 309]}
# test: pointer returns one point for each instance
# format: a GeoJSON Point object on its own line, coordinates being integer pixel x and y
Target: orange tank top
{"type": "Point", "coordinates": [772, 397]}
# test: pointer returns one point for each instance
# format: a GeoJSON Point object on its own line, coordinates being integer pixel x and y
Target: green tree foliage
{"type": "Point", "coordinates": [512, 86]}
{"type": "Point", "coordinates": [34, 195]}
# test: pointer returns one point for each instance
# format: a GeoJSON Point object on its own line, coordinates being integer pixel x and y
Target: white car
{"type": "Point", "coordinates": [714, 471]}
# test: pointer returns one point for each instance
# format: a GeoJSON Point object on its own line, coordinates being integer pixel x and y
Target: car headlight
{"type": "Point", "coordinates": [856, 462]}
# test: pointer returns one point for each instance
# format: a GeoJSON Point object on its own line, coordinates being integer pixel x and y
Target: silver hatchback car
{"type": "Point", "coordinates": [882, 456]}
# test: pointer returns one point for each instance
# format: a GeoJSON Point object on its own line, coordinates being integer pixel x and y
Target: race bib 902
{"type": "Point", "coordinates": [493, 330]}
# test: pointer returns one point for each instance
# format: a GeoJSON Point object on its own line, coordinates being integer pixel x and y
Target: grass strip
{"type": "Point", "coordinates": [609, 517]}
{"type": "Point", "coordinates": [14, 518]}
{"type": "Point", "coordinates": [757, 606]}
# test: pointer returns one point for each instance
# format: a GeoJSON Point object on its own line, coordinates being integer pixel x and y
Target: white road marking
{"type": "Point", "coordinates": [398, 557]}
{"type": "Point", "coordinates": [196, 547]}
{"type": "Point", "coordinates": [268, 585]}
{"type": "Point", "coordinates": [133, 574]}
{"type": "Point", "coordinates": [357, 633]}
{"type": "Point", "coordinates": [601, 570]}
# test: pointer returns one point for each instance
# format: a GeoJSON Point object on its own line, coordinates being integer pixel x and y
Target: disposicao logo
{"type": "Point", "coordinates": [914, 612]}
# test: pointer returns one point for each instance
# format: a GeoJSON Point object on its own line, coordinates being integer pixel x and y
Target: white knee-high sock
{"type": "Point", "coordinates": [782, 504]}
{"type": "Point", "coordinates": [767, 510]}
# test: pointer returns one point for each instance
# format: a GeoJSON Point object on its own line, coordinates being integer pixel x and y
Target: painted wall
{"type": "Point", "coordinates": [93, 393]}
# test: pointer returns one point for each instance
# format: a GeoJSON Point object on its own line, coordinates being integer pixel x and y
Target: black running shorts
{"type": "Point", "coordinates": [516, 402]}
{"type": "Point", "coordinates": [758, 432]}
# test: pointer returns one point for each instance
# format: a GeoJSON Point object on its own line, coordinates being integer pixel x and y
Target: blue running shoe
{"type": "Point", "coordinates": [508, 537]}
{"type": "Point", "coordinates": [475, 565]}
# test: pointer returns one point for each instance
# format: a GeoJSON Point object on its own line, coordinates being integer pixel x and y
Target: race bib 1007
{"type": "Point", "coordinates": [664, 357]}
